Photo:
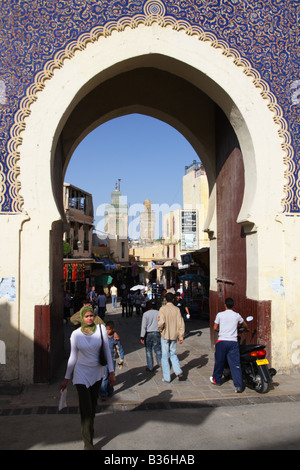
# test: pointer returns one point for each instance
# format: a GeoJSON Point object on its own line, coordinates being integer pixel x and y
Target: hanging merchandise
{"type": "Point", "coordinates": [74, 272]}
{"type": "Point", "coordinates": [80, 275]}
{"type": "Point", "coordinates": [69, 273]}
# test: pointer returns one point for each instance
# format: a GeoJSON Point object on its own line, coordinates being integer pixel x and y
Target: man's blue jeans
{"type": "Point", "coordinates": [114, 301]}
{"type": "Point", "coordinates": [229, 350]}
{"type": "Point", "coordinates": [152, 343]}
{"type": "Point", "coordinates": [168, 346]}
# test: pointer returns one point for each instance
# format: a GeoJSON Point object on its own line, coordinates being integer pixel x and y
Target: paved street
{"type": "Point", "coordinates": [146, 413]}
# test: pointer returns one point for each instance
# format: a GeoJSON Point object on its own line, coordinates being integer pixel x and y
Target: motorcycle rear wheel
{"type": "Point", "coordinates": [260, 385]}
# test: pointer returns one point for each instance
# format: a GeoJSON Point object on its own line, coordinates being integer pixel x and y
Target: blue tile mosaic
{"type": "Point", "coordinates": [264, 34]}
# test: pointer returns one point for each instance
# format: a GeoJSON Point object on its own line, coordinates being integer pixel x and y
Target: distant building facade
{"type": "Point", "coordinates": [79, 211]}
{"type": "Point", "coordinates": [183, 229]}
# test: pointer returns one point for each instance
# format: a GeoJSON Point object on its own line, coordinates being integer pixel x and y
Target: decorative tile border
{"type": "Point", "coordinates": [154, 11]}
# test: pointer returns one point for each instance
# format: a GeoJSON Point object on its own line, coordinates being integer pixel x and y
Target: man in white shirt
{"type": "Point", "coordinates": [226, 323]}
{"type": "Point", "coordinates": [114, 295]}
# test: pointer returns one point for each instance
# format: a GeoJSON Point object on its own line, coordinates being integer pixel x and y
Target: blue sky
{"type": "Point", "coordinates": [148, 155]}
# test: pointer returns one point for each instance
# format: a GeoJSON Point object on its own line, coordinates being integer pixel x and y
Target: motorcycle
{"type": "Point", "coordinates": [254, 365]}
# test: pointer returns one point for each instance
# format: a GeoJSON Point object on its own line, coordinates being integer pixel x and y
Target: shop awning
{"type": "Point", "coordinates": [153, 268]}
{"type": "Point", "coordinates": [194, 278]}
{"type": "Point", "coordinates": [170, 263]}
{"type": "Point", "coordinates": [103, 280]}
{"type": "Point", "coordinates": [106, 262]}
{"type": "Point", "coordinates": [78, 260]}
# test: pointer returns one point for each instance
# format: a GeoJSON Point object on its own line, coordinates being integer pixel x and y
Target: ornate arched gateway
{"type": "Point", "coordinates": [224, 74]}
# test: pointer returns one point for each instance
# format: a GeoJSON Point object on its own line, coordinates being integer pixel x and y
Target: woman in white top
{"type": "Point", "coordinates": [87, 372]}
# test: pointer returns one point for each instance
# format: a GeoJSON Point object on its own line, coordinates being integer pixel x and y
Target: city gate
{"type": "Point", "coordinates": [224, 74]}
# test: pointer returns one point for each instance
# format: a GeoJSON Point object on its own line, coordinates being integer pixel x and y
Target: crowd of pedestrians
{"type": "Point", "coordinates": [161, 327]}
{"type": "Point", "coordinates": [96, 347]}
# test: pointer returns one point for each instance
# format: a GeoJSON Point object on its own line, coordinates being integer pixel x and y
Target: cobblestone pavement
{"type": "Point", "coordinates": [146, 413]}
{"type": "Point", "coordinates": [138, 388]}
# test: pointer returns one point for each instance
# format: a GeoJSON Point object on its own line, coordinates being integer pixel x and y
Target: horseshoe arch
{"type": "Point", "coordinates": [210, 74]}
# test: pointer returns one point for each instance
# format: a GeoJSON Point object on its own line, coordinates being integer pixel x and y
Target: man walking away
{"type": "Point", "coordinates": [150, 336]}
{"type": "Point", "coordinates": [101, 302]}
{"type": "Point", "coordinates": [171, 327]}
{"type": "Point", "coordinates": [114, 296]}
{"type": "Point", "coordinates": [226, 323]}
{"type": "Point", "coordinates": [92, 297]}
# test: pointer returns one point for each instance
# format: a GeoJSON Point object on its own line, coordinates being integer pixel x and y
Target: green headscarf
{"type": "Point", "coordinates": [87, 329]}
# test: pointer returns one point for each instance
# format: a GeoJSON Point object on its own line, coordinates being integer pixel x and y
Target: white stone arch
{"type": "Point", "coordinates": [217, 74]}
{"type": "Point", "coordinates": [220, 78]}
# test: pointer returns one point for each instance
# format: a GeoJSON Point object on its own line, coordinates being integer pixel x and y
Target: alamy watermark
{"type": "Point", "coordinates": [2, 353]}
{"type": "Point", "coordinates": [295, 92]}
{"type": "Point", "coordinates": [133, 212]}
{"type": "Point", "coordinates": [2, 92]}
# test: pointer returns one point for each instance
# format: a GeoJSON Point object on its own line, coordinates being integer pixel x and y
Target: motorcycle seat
{"type": "Point", "coordinates": [245, 348]}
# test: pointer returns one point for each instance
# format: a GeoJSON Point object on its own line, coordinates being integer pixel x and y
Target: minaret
{"type": "Point", "coordinates": [116, 214]}
{"type": "Point", "coordinates": [147, 223]}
